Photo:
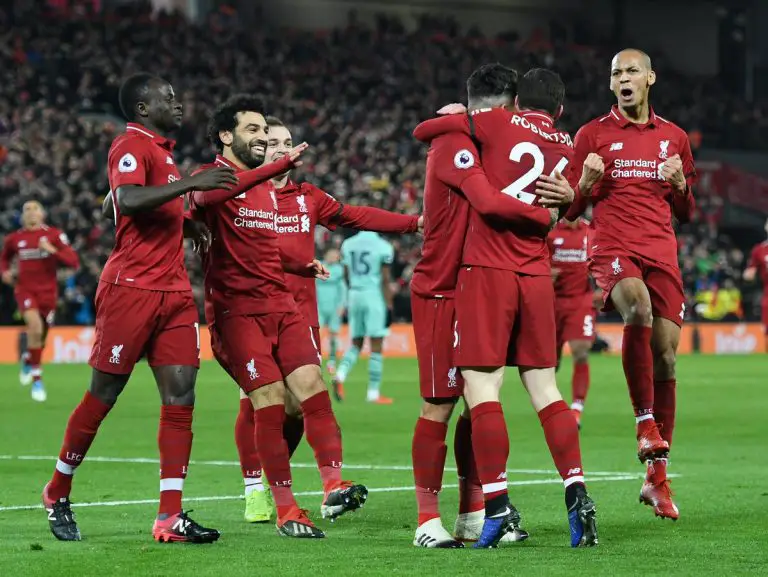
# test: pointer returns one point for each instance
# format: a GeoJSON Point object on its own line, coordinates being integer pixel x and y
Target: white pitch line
{"type": "Point", "coordinates": [311, 493]}
{"type": "Point", "coordinates": [294, 465]}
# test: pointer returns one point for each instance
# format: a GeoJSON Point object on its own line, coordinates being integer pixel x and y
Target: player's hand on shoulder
{"type": "Point", "coordinates": [220, 177]}
{"type": "Point", "coordinates": [554, 190]}
{"type": "Point", "coordinates": [591, 173]}
{"type": "Point", "coordinates": [453, 108]}
{"type": "Point", "coordinates": [672, 172]}
{"type": "Point", "coordinates": [296, 152]}
{"type": "Point", "coordinates": [319, 270]}
{"type": "Point", "coordinates": [8, 277]}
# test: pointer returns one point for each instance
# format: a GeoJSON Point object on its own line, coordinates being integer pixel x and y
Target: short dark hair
{"type": "Point", "coordinates": [133, 90]}
{"type": "Point", "coordinates": [224, 118]}
{"type": "Point", "coordinates": [274, 121]}
{"type": "Point", "coordinates": [492, 80]}
{"type": "Point", "coordinates": [541, 89]}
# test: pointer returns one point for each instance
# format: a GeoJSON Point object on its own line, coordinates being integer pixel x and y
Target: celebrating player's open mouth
{"type": "Point", "coordinates": [626, 94]}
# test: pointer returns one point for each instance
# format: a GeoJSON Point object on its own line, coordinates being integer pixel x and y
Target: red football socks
{"type": "Point", "coordinates": [428, 452]}
{"type": "Point", "coordinates": [245, 439]}
{"type": "Point", "coordinates": [580, 384]}
{"type": "Point", "coordinates": [34, 361]}
{"type": "Point", "coordinates": [664, 406]}
{"type": "Point", "coordinates": [637, 358]}
{"type": "Point", "coordinates": [293, 431]}
{"type": "Point", "coordinates": [490, 444]}
{"type": "Point", "coordinates": [78, 436]}
{"type": "Point", "coordinates": [174, 439]}
{"type": "Point", "coordinates": [274, 456]}
{"type": "Point", "coordinates": [324, 436]}
{"type": "Point", "coordinates": [470, 489]}
{"type": "Point", "coordinates": [562, 435]}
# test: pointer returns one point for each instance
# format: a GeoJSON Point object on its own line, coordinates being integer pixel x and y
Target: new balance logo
{"type": "Point", "coordinates": [576, 471]}
{"type": "Point", "coordinates": [115, 358]}
{"type": "Point", "coordinates": [502, 476]}
{"type": "Point", "coordinates": [168, 160]}
{"type": "Point", "coordinates": [617, 146]}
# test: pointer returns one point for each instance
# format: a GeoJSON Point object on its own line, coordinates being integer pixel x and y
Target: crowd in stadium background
{"type": "Point", "coordinates": [354, 93]}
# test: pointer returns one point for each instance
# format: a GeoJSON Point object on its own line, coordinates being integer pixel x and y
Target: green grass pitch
{"type": "Point", "coordinates": [720, 455]}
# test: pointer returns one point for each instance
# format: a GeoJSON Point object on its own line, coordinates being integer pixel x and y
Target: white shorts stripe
{"type": "Point", "coordinates": [493, 487]}
{"type": "Point", "coordinates": [171, 484]}
{"type": "Point", "coordinates": [571, 480]}
{"type": "Point", "coordinates": [643, 417]}
{"type": "Point", "coordinates": [64, 468]}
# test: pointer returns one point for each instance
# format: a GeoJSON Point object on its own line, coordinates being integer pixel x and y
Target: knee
{"type": "Point", "coordinates": [438, 410]}
{"type": "Point", "coordinates": [267, 396]}
{"type": "Point", "coordinates": [581, 356]}
{"type": "Point", "coordinates": [106, 392]}
{"type": "Point", "coordinates": [664, 362]}
{"type": "Point", "coordinates": [640, 313]}
{"type": "Point", "coordinates": [292, 406]}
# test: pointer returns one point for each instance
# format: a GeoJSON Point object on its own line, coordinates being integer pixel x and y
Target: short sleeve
{"type": "Point", "coordinates": [129, 162]}
{"type": "Point", "coordinates": [388, 253]}
{"type": "Point", "coordinates": [455, 158]}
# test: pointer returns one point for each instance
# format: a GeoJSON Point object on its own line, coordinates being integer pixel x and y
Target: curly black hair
{"type": "Point", "coordinates": [224, 118]}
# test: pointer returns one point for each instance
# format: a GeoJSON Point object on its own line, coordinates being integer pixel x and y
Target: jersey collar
{"type": "Point", "coordinates": [144, 132]}
{"type": "Point", "coordinates": [221, 161]}
{"type": "Point", "coordinates": [538, 115]}
{"type": "Point", "coordinates": [624, 122]}
{"type": "Point", "coordinates": [289, 187]}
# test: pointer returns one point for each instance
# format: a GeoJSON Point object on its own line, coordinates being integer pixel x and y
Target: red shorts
{"type": "Point", "coordinates": [433, 331]}
{"type": "Point", "coordinates": [132, 322]}
{"type": "Point", "coordinates": [575, 319]}
{"type": "Point", "coordinates": [218, 351]}
{"type": "Point", "coordinates": [664, 283]}
{"type": "Point", "coordinates": [316, 339]}
{"type": "Point", "coordinates": [45, 303]}
{"type": "Point", "coordinates": [503, 318]}
{"type": "Point", "coordinates": [263, 349]}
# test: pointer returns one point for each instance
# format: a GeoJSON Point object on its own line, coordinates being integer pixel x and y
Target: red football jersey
{"type": "Point", "coordinates": [243, 271]}
{"type": "Point", "coordinates": [516, 149]}
{"type": "Point", "coordinates": [759, 260]}
{"type": "Point", "coordinates": [149, 246]}
{"type": "Point", "coordinates": [446, 215]}
{"type": "Point", "coordinates": [300, 208]}
{"type": "Point", "coordinates": [568, 252]}
{"type": "Point", "coordinates": [37, 268]}
{"type": "Point", "coordinates": [633, 206]}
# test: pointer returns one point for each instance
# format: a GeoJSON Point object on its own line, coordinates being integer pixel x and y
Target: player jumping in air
{"type": "Point", "coordinates": [758, 267]}
{"type": "Point", "coordinates": [301, 207]}
{"type": "Point", "coordinates": [331, 303]}
{"type": "Point", "coordinates": [454, 180]}
{"type": "Point", "coordinates": [637, 172]}
{"type": "Point", "coordinates": [505, 302]}
{"type": "Point", "coordinates": [144, 304]}
{"type": "Point", "coordinates": [261, 338]}
{"type": "Point", "coordinates": [40, 250]}
{"type": "Point", "coordinates": [575, 313]}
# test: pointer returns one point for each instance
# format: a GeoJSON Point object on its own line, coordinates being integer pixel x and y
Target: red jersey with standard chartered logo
{"type": "Point", "coordinates": [303, 206]}
{"type": "Point", "coordinates": [149, 246]}
{"type": "Point", "coordinates": [568, 246]}
{"type": "Point", "coordinates": [633, 205]}
{"type": "Point", "coordinates": [244, 272]}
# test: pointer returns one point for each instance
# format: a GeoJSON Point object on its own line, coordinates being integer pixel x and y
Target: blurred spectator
{"type": "Point", "coordinates": [715, 303]}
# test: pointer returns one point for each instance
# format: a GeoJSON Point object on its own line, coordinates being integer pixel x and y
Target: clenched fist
{"type": "Point", "coordinates": [591, 173]}
{"type": "Point", "coordinates": [671, 170]}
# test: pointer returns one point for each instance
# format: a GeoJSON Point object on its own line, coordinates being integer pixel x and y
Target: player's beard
{"type": "Point", "coordinates": [244, 153]}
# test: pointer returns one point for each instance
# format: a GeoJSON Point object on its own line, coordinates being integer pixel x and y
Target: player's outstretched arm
{"type": "Point", "coordinates": [332, 213]}
{"type": "Point", "coordinates": [251, 178]}
{"type": "Point", "coordinates": [132, 199]}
